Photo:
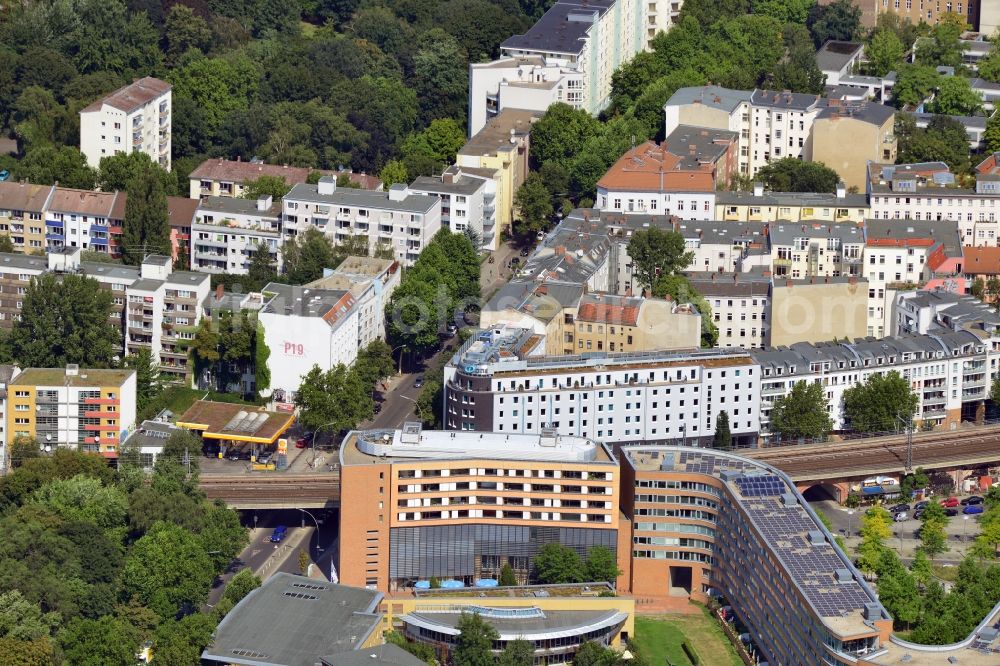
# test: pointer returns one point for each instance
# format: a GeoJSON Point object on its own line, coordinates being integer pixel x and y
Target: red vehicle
{"type": "Point", "coordinates": [301, 443]}
{"type": "Point", "coordinates": [950, 503]}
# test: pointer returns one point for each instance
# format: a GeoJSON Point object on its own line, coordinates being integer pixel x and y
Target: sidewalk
{"type": "Point", "coordinates": [282, 552]}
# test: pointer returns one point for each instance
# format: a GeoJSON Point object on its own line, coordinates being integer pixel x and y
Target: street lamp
{"type": "Point", "coordinates": [850, 520]}
{"type": "Point", "coordinates": [420, 411]}
{"type": "Point", "coordinates": [391, 351]}
{"type": "Point", "coordinates": [965, 523]}
{"type": "Point", "coordinates": [316, 522]}
{"type": "Point", "coordinates": [316, 432]}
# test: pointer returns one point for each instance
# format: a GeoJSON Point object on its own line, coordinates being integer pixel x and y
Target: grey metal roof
{"type": "Point", "coordinates": [790, 199]}
{"type": "Point", "coordinates": [943, 231]}
{"type": "Point", "coordinates": [834, 55]}
{"type": "Point", "coordinates": [784, 100]}
{"type": "Point", "coordinates": [388, 653]}
{"type": "Point", "coordinates": [293, 621]}
{"type": "Point", "coordinates": [23, 261]}
{"type": "Point", "coordinates": [864, 110]}
{"type": "Point", "coordinates": [307, 302]}
{"type": "Point", "coordinates": [722, 233]}
{"type": "Point", "coordinates": [97, 269]}
{"type": "Point", "coordinates": [562, 29]}
{"type": "Point", "coordinates": [727, 284]}
{"type": "Point", "coordinates": [467, 185]}
{"type": "Point", "coordinates": [344, 196]}
{"type": "Point", "coordinates": [146, 284]}
{"type": "Point", "coordinates": [784, 233]}
{"type": "Point", "coordinates": [715, 97]}
{"type": "Point", "coordinates": [697, 145]}
{"type": "Point", "coordinates": [186, 278]}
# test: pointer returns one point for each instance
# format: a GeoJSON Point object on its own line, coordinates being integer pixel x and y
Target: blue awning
{"type": "Point", "coordinates": [872, 490]}
{"type": "Point", "coordinates": [452, 584]}
{"type": "Point", "coordinates": [486, 582]}
{"type": "Point", "coordinates": [423, 585]}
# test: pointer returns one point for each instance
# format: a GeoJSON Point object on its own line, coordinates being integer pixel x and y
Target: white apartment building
{"type": "Point", "coordinates": [766, 206]}
{"type": "Point", "coordinates": [85, 219]}
{"type": "Point", "coordinates": [466, 204]}
{"type": "Point", "coordinates": [616, 398]}
{"type": "Point", "coordinates": [816, 249]}
{"type": "Point", "coordinates": [568, 55]}
{"type": "Point", "coordinates": [928, 192]}
{"type": "Point", "coordinates": [899, 255]}
{"type": "Point", "coordinates": [398, 219]}
{"type": "Point", "coordinates": [306, 327]}
{"type": "Point", "coordinates": [930, 311]}
{"type": "Point", "coordinates": [133, 118]}
{"type": "Point", "coordinates": [371, 282]}
{"type": "Point", "coordinates": [741, 306]}
{"type": "Point", "coordinates": [227, 231]}
{"type": "Point", "coordinates": [948, 370]}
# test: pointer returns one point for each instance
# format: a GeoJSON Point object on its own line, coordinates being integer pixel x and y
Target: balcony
{"type": "Point", "coordinates": [343, 217]}
{"type": "Point", "coordinates": [782, 261]}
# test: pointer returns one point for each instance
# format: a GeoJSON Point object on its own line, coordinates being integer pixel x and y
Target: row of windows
{"type": "Point", "coordinates": [680, 542]}
{"type": "Point", "coordinates": [682, 555]}
{"type": "Point", "coordinates": [684, 485]}
{"type": "Point", "coordinates": [671, 499]}
{"type": "Point", "coordinates": [682, 528]}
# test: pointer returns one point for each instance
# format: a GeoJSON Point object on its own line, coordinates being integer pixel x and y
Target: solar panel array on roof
{"type": "Point", "coordinates": [246, 422]}
{"type": "Point", "coordinates": [760, 486]}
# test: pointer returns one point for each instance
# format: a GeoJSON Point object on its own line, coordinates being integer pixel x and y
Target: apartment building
{"type": "Point", "coordinates": [468, 203]}
{"type": "Point", "coordinates": [615, 398]}
{"type": "Point", "coordinates": [679, 176]}
{"type": "Point", "coordinates": [774, 125]}
{"type": "Point", "coordinates": [228, 178]}
{"type": "Point", "coordinates": [707, 523]}
{"type": "Point", "coordinates": [371, 282]}
{"type": "Point", "coordinates": [761, 206]}
{"type": "Point", "coordinates": [133, 118]}
{"type": "Point", "coordinates": [741, 305]}
{"type": "Point", "coordinates": [85, 219]}
{"type": "Point", "coordinates": [816, 249]}
{"type": "Point", "coordinates": [928, 311]}
{"type": "Point", "coordinates": [7, 373]}
{"type": "Point", "coordinates": [458, 506]}
{"type": "Point", "coordinates": [84, 409]}
{"type": "Point", "coordinates": [606, 322]}
{"type": "Point", "coordinates": [929, 192]}
{"type": "Point", "coordinates": [499, 151]}
{"type": "Point", "coordinates": [817, 309]}
{"type": "Point", "coordinates": [989, 18]}
{"type": "Point", "coordinates": [921, 11]}
{"type": "Point", "coordinates": [900, 255]}
{"type": "Point", "coordinates": [980, 263]}
{"type": "Point", "coordinates": [22, 214]}
{"type": "Point", "coordinates": [847, 136]}
{"type": "Point", "coordinates": [568, 55]}
{"type": "Point", "coordinates": [227, 232]}
{"type": "Point", "coordinates": [399, 220]}
{"type": "Point", "coordinates": [181, 212]}
{"type": "Point", "coordinates": [836, 59]}
{"type": "Point", "coordinates": [306, 327]}
{"type": "Point", "coordinates": [948, 370]}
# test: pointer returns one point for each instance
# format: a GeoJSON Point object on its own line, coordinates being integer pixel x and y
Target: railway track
{"type": "Point", "coordinates": [277, 488]}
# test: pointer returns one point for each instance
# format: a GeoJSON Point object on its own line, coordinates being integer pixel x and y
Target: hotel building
{"type": "Point", "coordinates": [89, 410]}
{"type": "Point", "coordinates": [615, 398]}
{"type": "Point", "coordinates": [461, 505]}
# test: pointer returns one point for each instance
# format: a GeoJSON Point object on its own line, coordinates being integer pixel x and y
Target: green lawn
{"type": "Point", "coordinates": [659, 638]}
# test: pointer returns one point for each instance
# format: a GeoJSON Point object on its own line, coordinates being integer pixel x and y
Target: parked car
{"type": "Point", "coordinates": [919, 512]}
{"type": "Point", "coordinates": [418, 382]}
{"type": "Point", "coordinates": [302, 443]}
{"type": "Point", "coordinates": [950, 502]}
{"type": "Point", "coordinates": [452, 330]}
{"type": "Point", "coordinates": [951, 512]}
{"type": "Point", "coordinates": [973, 509]}
{"type": "Point", "coordinates": [922, 504]}
{"type": "Point", "coordinates": [264, 458]}
{"type": "Point", "coordinates": [899, 507]}
{"type": "Point", "coordinates": [525, 252]}
{"type": "Point", "coordinates": [900, 516]}
{"type": "Point", "coordinates": [237, 454]}
{"type": "Point", "coordinates": [278, 534]}
{"type": "Point", "coordinates": [972, 500]}
{"type": "Point", "coordinates": [4, 175]}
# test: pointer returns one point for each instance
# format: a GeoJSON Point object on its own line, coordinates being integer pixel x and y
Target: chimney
{"type": "Point", "coordinates": [219, 291]}
{"type": "Point", "coordinates": [841, 190]}
{"type": "Point", "coordinates": [758, 189]}
{"type": "Point", "coordinates": [852, 280]}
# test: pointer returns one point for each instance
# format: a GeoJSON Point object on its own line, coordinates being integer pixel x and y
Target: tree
{"type": "Point", "coordinates": [786, 11]}
{"type": "Point", "coordinates": [556, 563]}
{"type": "Point", "coordinates": [23, 620]}
{"type": "Point", "coordinates": [374, 363]}
{"type": "Point", "coordinates": [106, 641]}
{"type": "Point", "coordinates": [307, 255]}
{"type": "Point", "coordinates": [885, 52]}
{"type": "Point", "coordinates": [839, 20]}
{"type": "Point", "coordinates": [794, 175]}
{"type": "Point", "coordinates": [38, 652]}
{"type": "Point", "coordinates": [266, 186]}
{"type": "Point", "coordinates": [989, 67]}
{"type": "Point", "coordinates": [798, 70]}
{"type": "Point", "coordinates": [992, 135]}
{"type": "Point", "coordinates": [942, 46]}
{"type": "Point", "coordinates": [240, 585]}
{"type": "Point", "coordinates": [679, 289]}
{"type": "Point", "coordinates": [955, 97]}
{"type": "Point", "coordinates": [722, 439]}
{"type": "Point", "coordinates": [875, 530]}
{"type": "Point", "coordinates": [431, 150]}
{"type": "Point", "coordinates": [393, 172]}
{"type": "Point", "coordinates": [216, 86]}
{"type": "Point", "coordinates": [601, 565]}
{"type": "Point", "coordinates": [168, 570]}
{"type": "Point", "coordinates": [181, 642]}
{"type": "Point", "coordinates": [507, 577]}
{"type": "Point", "coordinates": [880, 403]}
{"type": "Point", "coordinates": [64, 321]}
{"type": "Point", "coordinates": [474, 645]}
{"type": "Point", "coordinates": [184, 31]}
{"type": "Point", "coordinates": [6, 246]}
{"type": "Point", "coordinates": [147, 377]}
{"type": "Point", "coordinates": [914, 83]}
{"type": "Point", "coordinates": [534, 204]}
{"type": "Point", "coordinates": [897, 589]}
{"type": "Point", "coordinates": [657, 253]}
{"type": "Point", "coordinates": [802, 413]}
{"type": "Point", "coordinates": [944, 139]}
{"type": "Point", "coordinates": [83, 499]}
{"type": "Point", "coordinates": [440, 76]}
{"type": "Point", "coordinates": [933, 539]}
{"type": "Point", "coordinates": [262, 267]}
{"type": "Point", "coordinates": [518, 652]}
{"type": "Point", "coordinates": [46, 165]}
{"type": "Point", "coordinates": [117, 171]}
{"type": "Point", "coordinates": [419, 650]}
{"type": "Point", "coordinates": [561, 133]}
{"type": "Point", "coordinates": [336, 398]}
{"type": "Point", "coordinates": [146, 229]}
{"type": "Point", "coordinates": [592, 653]}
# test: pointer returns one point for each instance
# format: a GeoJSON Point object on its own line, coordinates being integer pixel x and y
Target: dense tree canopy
{"type": "Point", "coordinates": [802, 413]}
{"type": "Point", "coordinates": [794, 175]}
{"type": "Point", "coordinates": [882, 403]}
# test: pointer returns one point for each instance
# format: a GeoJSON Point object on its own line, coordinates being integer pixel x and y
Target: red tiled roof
{"type": "Point", "coordinates": [981, 260]}
{"type": "Point", "coordinates": [83, 202]}
{"type": "Point", "coordinates": [234, 171]}
{"type": "Point", "coordinates": [180, 211]}
{"type": "Point", "coordinates": [648, 167]}
{"type": "Point", "coordinates": [609, 314]}
{"type": "Point", "coordinates": [991, 165]}
{"type": "Point", "coordinates": [133, 96]}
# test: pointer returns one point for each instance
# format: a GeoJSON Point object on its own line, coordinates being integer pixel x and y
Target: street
{"type": "Point", "coordinates": [266, 558]}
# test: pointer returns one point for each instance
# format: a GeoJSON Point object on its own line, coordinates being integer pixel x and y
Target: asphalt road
{"type": "Point", "coordinates": [399, 404]}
